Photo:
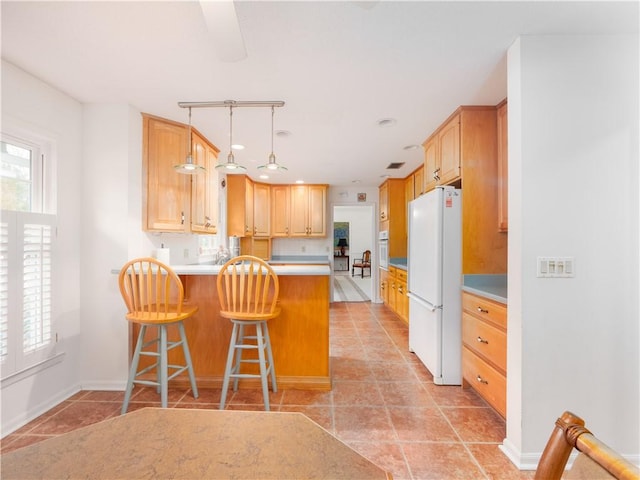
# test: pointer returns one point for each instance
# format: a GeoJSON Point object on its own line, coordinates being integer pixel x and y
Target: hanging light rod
{"type": "Point", "coordinates": [232, 103]}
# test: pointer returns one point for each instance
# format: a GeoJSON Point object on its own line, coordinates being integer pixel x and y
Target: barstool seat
{"type": "Point", "coordinates": [154, 296]}
{"type": "Point", "coordinates": [248, 292]}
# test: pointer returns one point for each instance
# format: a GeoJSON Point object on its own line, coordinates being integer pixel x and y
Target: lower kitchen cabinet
{"type": "Point", "coordinates": [484, 349]}
{"type": "Point", "coordinates": [393, 291]}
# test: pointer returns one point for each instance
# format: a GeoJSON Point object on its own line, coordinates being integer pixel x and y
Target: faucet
{"type": "Point", "coordinates": [221, 256]}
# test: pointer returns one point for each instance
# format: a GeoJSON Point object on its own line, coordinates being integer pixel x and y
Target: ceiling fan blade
{"type": "Point", "coordinates": [222, 23]}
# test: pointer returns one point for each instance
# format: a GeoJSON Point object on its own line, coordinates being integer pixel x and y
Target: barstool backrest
{"type": "Point", "coordinates": [150, 289]}
{"type": "Point", "coordinates": [247, 288]}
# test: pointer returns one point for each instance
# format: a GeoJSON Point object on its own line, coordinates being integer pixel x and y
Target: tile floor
{"type": "Point", "coordinates": [383, 404]}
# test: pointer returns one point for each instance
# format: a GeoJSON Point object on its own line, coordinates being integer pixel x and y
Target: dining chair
{"type": "Point", "coordinates": [595, 459]}
{"type": "Point", "coordinates": [248, 293]}
{"type": "Point", "coordinates": [362, 263]}
{"type": "Point", "coordinates": [154, 297]}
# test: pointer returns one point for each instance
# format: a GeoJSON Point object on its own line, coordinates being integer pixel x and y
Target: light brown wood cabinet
{"type": "Point", "coordinates": [239, 206]}
{"type": "Point", "coordinates": [280, 210]}
{"type": "Point", "coordinates": [393, 291]}
{"type": "Point", "coordinates": [173, 202]}
{"type": "Point", "coordinates": [204, 186]}
{"type": "Point", "coordinates": [503, 168]}
{"type": "Point", "coordinates": [442, 154]}
{"type": "Point", "coordinates": [393, 208]}
{"type": "Point", "coordinates": [384, 286]}
{"type": "Point", "coordinates": [484, 349]}
{"type": "Point", "coordinates": [308, 205]}
{"type": "Point", "coordinates": [414, 184]}
{"type": "Point", "coordinates": [261, 210]}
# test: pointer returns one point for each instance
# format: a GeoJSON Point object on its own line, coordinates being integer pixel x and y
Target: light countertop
{"type": "Point", "coordinates": [280, 270]}
{"type": "Point", "coordinates": [493, 287]}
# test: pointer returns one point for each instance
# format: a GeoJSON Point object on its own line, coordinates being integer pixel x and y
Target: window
{"type": "Point", "coordinates": [21, 176]}
{"type": "Point", "coordinates": [27, 240]}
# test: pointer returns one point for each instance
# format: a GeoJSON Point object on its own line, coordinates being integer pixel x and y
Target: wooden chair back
{"type": "Point", "coordinates": [595, 460]}
{"type": "Point", "coordinates": [248, 289]}
{"type": "Point", "coordinates": [366, 258]}
{"type": "Point", "coordinates": [151, 290]}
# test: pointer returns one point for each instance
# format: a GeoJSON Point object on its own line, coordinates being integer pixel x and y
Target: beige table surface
{"type": "Point", "coordinates": [159, 443]}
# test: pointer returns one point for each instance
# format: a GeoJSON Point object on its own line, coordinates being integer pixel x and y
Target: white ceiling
{"type": "Point", "coordinates": [339, 66]}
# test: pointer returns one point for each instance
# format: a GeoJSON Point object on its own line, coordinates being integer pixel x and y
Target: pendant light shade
{"type": "Point", "coordinates": [230, 166]}
{"type": "Point", "coordinates": [189, 167]}
{"type": "Point", "coordinates": [272, 165]}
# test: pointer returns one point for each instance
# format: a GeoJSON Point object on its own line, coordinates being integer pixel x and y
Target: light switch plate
{"type": "Point", "coordinates": [555, 267]}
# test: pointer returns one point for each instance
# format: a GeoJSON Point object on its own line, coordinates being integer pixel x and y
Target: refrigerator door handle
{"type": "Point", "coordinates": [423, 302]}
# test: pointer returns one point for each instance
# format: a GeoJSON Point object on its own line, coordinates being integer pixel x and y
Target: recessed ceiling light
{"type": "Point", "coordinates": [282, 133]}
{"type": "Point", "coordinates": [411, 147]}
{"type": "Point", "coordinates": [386, 122]}
{"type": "Point", "coordinates": [300, 181]}
{"type": "Point", "coordinates": [264, 177]}
{"type": "Point", "coordinates": [355, 181]}
{"type": "Point", "coordinates": [385, 176]}
{"type": "Point", "coordinates": [237, 146]}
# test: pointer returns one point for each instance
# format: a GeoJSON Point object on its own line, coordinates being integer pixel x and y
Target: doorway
{"type": "Point", "coordinates": [359, 222]}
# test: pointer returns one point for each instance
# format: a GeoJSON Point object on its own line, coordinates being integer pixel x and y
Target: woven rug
{"type": "Point", "coordinates": [346, 290]}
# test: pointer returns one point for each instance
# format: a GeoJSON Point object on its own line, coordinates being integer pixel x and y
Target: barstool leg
{"type": "Point", "coordinates": [274, 386]}
{"type": "Point", "coordinates": [263, 368]}
{"type": "Point", "coordinates": [133, 369]}
{"type": "Point", "coordinates": [236, 367]}
{"type": "Point", "coordinates": [227, 369]}
{"type": "Point", "coordinates": [187, 357]}
{"type": "Point", "coordinates": [164, 367]}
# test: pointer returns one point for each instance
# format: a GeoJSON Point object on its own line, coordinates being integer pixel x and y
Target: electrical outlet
{"type": "Point", "coordinates": [186, 253]}
{"type": "Point", "coordinates": [304, 249]}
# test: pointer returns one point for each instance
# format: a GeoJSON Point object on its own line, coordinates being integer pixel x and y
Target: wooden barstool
{"type": "Point", "coordinates": [248, 293]}
{"type": "Point", "coordinates": [154, 297]}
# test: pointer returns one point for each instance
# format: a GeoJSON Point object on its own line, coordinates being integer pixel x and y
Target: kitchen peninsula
{"type": "Point", "coordinates": [299, 336]}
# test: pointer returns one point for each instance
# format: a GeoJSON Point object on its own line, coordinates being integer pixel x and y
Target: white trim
{"type": "Point", "coordinates": [31, 370]}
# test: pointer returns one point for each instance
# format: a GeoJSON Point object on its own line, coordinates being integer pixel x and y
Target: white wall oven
{"type": "Point", "coordinates": [383, 249]}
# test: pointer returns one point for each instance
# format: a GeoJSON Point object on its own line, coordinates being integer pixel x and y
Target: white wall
{"type": "Point", "coordinates": [32, 106]}
{"type": "Point", "coordinates": [573, 191]}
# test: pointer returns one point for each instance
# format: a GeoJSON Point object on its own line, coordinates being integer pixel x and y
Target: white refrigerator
{"type": "Point", "coordinates": [434, 282]}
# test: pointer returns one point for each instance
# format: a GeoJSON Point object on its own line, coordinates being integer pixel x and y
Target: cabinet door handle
{"type": "Point", "coordinates": [482, 310]}
{"type": "Point", "coordinates": [436, 174]}
{"type": "Point", "coordinates": [255, 230]}
{"type": "Point", "coordinates": [181, 218]}
{"type": "Point", "coordinates": [482, 340]}
{"type": "Point", "coordinates": [207, 223]}
{"type": "Point", "coordinates": [482, 380]}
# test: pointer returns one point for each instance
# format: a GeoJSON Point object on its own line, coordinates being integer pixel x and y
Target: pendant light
{"type": "Point", "coordinates": [271, 164]}
{"type": "Point", "coordinates": [230, 166]}
{"type": "Point", "coordinates": [188, 167]}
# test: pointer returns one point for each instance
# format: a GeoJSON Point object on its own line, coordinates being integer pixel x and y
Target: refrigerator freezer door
{"type": "Point", "coordinates": [425, 334]}
{"type": "Point", "coordinates": [425, 247]}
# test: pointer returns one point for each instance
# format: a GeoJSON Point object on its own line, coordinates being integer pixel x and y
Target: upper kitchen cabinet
{"type": "Point", "coordinates": [442, 154]}
{"type": "Point", "coordinates": [261, 210]}
{"type": "Point", "coordinates": [204, 186]}
{"type": "Point", "coordinates": [484, 249]}
{"type": "Point", "coordinates": [503, 222]}
{"type": "Point", "coordinates": [414, 184]}
{"type": "Point", "coordinates": [280, 210]}
{"type": "Point", "coordinates": [308, 205]}
{"type": "Point", "coordinates": [239, 206]}
{"type": "Point", "coordinates": [393, 213]}
{"type": "Point", "coordinates": [173, 202]}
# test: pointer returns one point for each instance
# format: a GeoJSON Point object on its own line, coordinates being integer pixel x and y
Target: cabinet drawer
{"type": "Point", "coordinates": [401, 275]}
{"type": "Point", "coordinates": [392, 271]}
{"type": "Point", "coordinates": [485, 380]}
{"type": "Point", "coordinates": [486, 340]}
{"type": "Point", "coordinates": [489, 310]}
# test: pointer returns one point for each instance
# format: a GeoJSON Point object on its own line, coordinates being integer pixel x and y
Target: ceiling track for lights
{"type": "Point", "coordinates": [232, 103]}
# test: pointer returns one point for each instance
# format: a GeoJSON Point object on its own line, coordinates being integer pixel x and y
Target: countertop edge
{"type": "Point", "coordinates": [284, 270]}
{"type": "Point", "coordinates": [485, 294]}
